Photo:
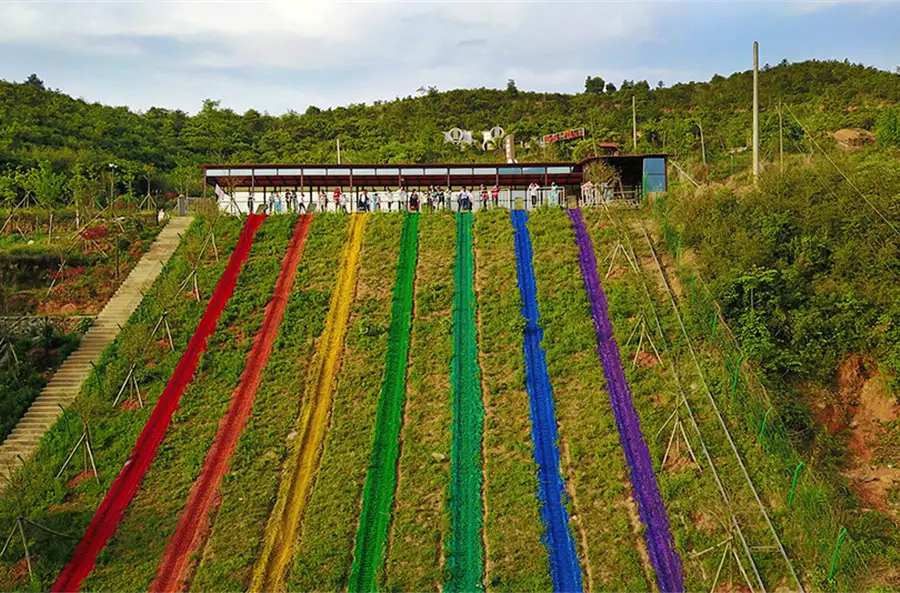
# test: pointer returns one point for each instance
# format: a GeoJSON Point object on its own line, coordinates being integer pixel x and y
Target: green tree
{"type": "Point", "coordinates": [594, 85]}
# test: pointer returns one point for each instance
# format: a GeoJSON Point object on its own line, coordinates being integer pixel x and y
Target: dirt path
{"type": "Point", "coordinates": [194, 523]}
{"type": "Point", "coordinates": [117, 499]}
{"type": "Point", "coordinates": [305, 450]}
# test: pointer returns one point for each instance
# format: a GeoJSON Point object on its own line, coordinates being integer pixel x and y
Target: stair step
{"type": "Point", "coordinates": [67, 381]}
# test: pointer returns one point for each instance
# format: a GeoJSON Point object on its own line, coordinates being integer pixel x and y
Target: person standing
{"type": "Point", "coordinates": [403, 197]}
{"type": "Point", "coordinates": [483, 197]}
{"type": "Point", "coordinates": [554, 195]}
{"type": "Point", "coordinates": [495, 194]}
{"type": "Point", "coordinates": [376, 200]}
{"type": "Point", "coordinates": [250, 202]}
{"type": "Point", "coordinates": [337, 199]}
{"type": "Point", "coordinates": [533, 193]}
{"type": "Point", "coordinates": [322, 204]}
{"type": "Point", "coordinates": [414, 201]}
{"type": "Point", "coordinates": [362, 201]}
{"type": "Point", "coordinates": [462, 200]}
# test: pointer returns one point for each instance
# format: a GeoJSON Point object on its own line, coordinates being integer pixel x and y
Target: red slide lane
{"type": "Point", "coordinates": [194, 520]}
{"type": "Point", "coordinates": [111, 510]}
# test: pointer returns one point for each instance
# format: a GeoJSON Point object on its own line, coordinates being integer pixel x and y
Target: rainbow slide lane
{"type": "Point", "coordinates": [306, 449]}
{"type": "Point", "coordinates": [110, 512]}
{"type": "Point", "coordinates": [193, 523]}
{"type": "Point", "coordinates": [381, 478]}
{"type": "Point", "coordinates": [660, 544]}
{"type": "Point", "coordinates": [466, 558]}
{"type": "Point", "coordinates": [564, 566]}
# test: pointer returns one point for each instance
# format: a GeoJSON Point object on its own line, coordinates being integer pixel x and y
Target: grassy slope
{"type": "Point", "coordinates": [325, 545]}
{"type": "Point", "coordinates": [516, 559]}
{"type": "Point", "coordinates": [41, 497]}
{"type": "Point", "coordinates": [821, 507]}
{"type": "Point", "coordinates": [593, 461]}
{"type": "Point", "coordinates": [248, 491]}
{"type": "Point", "coordinates": [130, 559]}
{"type": "Point", "coordinates": [692, 500]}
{"type": "Point", "coordinates": [370, 544]}
{"type": "Point", "coordinates": [421, 520]}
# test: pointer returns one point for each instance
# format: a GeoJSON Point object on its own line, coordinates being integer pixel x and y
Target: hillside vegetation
{"type": "Point", "coordinates": [164, 146]}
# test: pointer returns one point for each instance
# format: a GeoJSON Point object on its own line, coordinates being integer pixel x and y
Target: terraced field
{"type": "Point", "coordinates": [400, 402]}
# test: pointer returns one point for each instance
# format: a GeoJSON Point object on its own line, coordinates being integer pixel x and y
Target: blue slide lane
{"type": "Point", "coordinates": [564, 566]}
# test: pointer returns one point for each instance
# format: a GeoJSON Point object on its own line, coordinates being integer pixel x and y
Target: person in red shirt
{"type": "Point", "coordinates": [495, 194]}
{"type": "Point", "coordinates": [337, 199]}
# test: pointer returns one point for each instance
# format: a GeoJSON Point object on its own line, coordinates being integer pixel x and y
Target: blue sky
{"type": "Point", "coordinates": [279, 55]}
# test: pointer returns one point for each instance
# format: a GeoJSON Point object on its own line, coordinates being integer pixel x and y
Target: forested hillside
{"type": "Point", "coordinates": [81, 139]}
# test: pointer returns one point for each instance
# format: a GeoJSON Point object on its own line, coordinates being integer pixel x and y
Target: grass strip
{"type": "Point", "coordinates": [302, 462]}
{"type": "Point", "coordinates": [466, 560]}
{"type": "Point", "coordinates": [249, 490]}
{"type": "Point", "coordinates": [660, 545]}
{"type": "Point", "coordinates": [600, 504]}
{"type": "Point", "coordinates": [67, 504]}
{"type": "Point", "coordinates": [131, 558]}
{"type": "Point", "coordinates": [324, 549]}
{"type": "Point", "coordinates": [110, 512]}
{"type": "Point", "coordinates": [194, 521]}
{"type": "Point", "coordinates": [515, 557]}
{"type": "Point", "coordinates": [564, 566]}
{"type": "Point", "coordinates": [381, 479]}
{"type": "Point", "coordinates": [421, 519]}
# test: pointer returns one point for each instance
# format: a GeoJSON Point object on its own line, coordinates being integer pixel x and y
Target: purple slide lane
{"type": "Point", "coordinates": [660, 544]}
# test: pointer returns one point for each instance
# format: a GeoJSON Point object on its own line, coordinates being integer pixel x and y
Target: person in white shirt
{"type": "Point", "coordinates": [533, 193]}
{"type": "Point", "coordinates": [464, 200]}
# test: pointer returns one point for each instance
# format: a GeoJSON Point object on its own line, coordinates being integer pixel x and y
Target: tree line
{"type": "Point", "coordinates": [59, 149]}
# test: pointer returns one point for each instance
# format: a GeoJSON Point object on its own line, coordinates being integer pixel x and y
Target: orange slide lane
{"type": "Point", "coordinates": [175, 569]}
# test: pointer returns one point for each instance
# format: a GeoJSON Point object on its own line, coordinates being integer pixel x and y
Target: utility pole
{"type": "Point", "coordinates": [780, 137]}
{"type": "Point", "coordinates": [702, 143]}
{"type": "Point", "coordinates": [338, 140]}
{"type": "Point", "coordinates": [634, 122]}
{"type": "Point", "coordinates": [755, 111]}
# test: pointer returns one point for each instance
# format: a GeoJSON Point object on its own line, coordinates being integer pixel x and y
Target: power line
{"type": "Point", "coordinates": [839, 170]}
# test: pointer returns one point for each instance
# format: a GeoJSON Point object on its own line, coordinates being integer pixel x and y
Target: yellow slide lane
{"type": "Point", "coordinates": [306, 449]}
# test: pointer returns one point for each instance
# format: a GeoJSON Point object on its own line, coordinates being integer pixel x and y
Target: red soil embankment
{"type": "Point", "coordinates": [193, 524]}
{"type": "Point", "coordinates": [109, 514]}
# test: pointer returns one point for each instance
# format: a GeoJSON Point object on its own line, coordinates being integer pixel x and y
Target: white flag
{"type": "Point", "coordinates": [220, 193]}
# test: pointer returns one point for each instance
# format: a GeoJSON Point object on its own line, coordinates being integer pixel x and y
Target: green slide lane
{"type": "Point", "coordinates": [381, 479]}
{"type": "Point", "coordinates": [466, 558]}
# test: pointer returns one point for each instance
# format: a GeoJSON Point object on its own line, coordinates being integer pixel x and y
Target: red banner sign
{"type": "Point", "coordinates": [560, 136]}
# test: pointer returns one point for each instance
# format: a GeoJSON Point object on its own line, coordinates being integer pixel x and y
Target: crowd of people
{"type": "Point", "coordinates": [403, 199]}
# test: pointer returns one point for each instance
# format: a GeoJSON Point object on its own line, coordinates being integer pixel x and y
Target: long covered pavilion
{"type": "Point", "coordinates": [637, 173]}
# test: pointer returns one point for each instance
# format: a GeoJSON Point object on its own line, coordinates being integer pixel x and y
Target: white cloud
{"type": "Point", "coordinates": [282, 54]}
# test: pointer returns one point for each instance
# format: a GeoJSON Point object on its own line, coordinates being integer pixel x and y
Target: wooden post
{"type": "Point", "coordinates": [634, 121]}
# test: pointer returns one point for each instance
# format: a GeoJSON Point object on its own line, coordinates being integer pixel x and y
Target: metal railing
{"type": "Point", "coordinates": [392, 201]}
{"type": "Point", "coordinates": [596, 196]}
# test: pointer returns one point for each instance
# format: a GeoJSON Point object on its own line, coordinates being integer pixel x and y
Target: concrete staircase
{"type": "Point", "coordinates": [65, 384]}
